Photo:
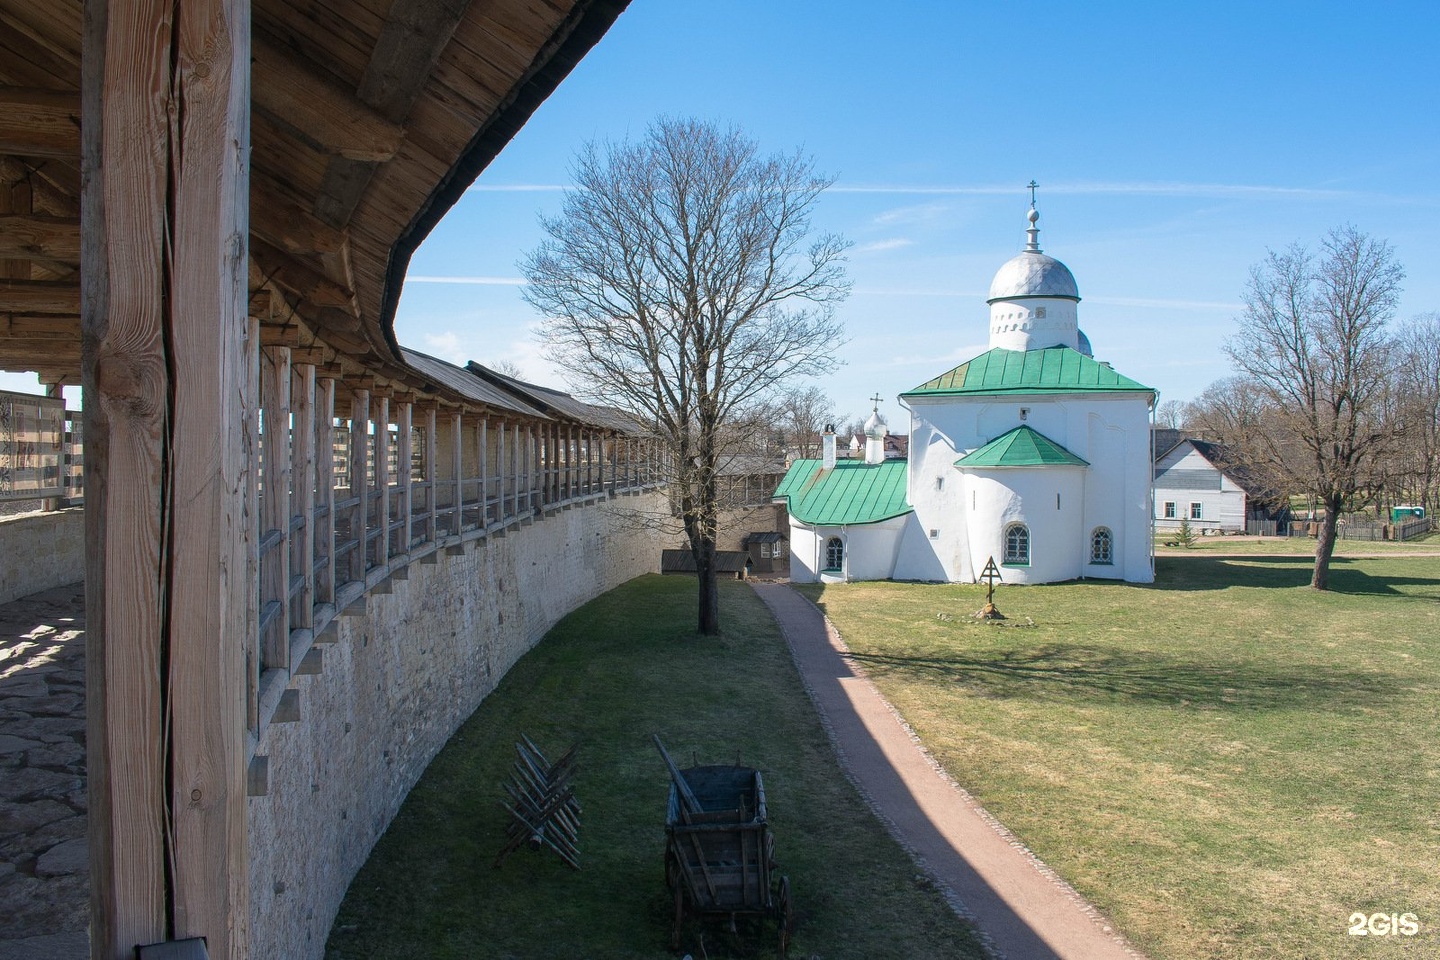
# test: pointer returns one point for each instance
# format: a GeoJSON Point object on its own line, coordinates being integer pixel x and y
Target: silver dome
{"type": "Point", "coordinates": [1033, 274]}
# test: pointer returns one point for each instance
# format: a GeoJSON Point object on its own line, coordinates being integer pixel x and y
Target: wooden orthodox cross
{"type": "Point", "coordinates": [990, 574]}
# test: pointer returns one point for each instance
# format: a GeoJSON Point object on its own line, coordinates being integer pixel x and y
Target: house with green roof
{"type": "Point", "coordinates": [1033, 453]}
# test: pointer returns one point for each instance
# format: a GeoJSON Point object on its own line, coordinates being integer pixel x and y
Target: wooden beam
{"type": "Point", "coordinates": [325, 487]}
{"type": "Point", "coordinates": [39, 236]}
{"type": "Point", "coordinates": [304, 452]}
{"type": "Point", "coordinates": [405, 413]}
{"type": "Point", "coordinates": [410, 44]}
{"type": "Point", "coordinates": [301, 278]}
{"type": "Point", "coordinates": [165, 326]}
{"type": "Point", "coordinates": [39, 296]}
{"type": "Point", "coordinates": [275, 508]}
{"type": "Point", "coordinates": [382, 481]}
{"type": "Point", "coordinates": [318, 108]}
{"type": "Point", "coordinates": [39, 123]}
{"type": "Point", "coordinates": [359, 482]}
{"type": "Point", "coordinates": [280, 217]}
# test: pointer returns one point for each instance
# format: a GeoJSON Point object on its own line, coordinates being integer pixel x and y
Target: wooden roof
{"type": "Point", "coordinates": [369, 119]}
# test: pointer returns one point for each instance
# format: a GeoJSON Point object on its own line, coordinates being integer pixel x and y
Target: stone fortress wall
{"type": "Point", "coordinates": [397, 681]}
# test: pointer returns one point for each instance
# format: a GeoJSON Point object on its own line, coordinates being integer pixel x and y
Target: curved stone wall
{"type": "Point", "coordinates": [396, 682]}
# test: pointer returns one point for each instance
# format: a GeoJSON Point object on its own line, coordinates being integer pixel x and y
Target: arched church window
{"type": "Point", "coordinates": [1017, 544]}
{"type": "Point", "coordinates": [834, 554]}
{"type": "Point", "coordinates": [1102, 546]}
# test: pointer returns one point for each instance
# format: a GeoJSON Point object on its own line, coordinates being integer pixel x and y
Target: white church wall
{"type": "Point", "coordinates": [919, 556]}
{"type": "Point", "coordinates": [869, 554]}
{"type": "Point", "coordinates": [1049, 501]}
{"type": "Point", "coordinates": [1031, 323]}
{"type": "Point", "coordinates": [1111, 433]}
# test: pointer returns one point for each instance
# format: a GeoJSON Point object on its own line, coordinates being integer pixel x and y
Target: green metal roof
{"type": "Point", "coordinates": [1051, 370]}
{"type": "Point", "coordinates": [850, 492]}
{"type": "Point", "coordinates": [1021, 447]}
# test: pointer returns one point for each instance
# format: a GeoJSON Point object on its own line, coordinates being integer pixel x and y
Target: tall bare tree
{"type": "Point", "coordinates": [1313, 342]}
{"type": "Point", "coordinates": [681, 282]}
{"type": "Point", "coordinates": [797, 419]}
{"type": "Point", "coordinates": [1418, 406]}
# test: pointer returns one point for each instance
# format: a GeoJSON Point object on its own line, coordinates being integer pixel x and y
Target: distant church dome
{"type": "Point", "coordinates": [876, 426]}
{"type": "Point", "coordinates": [1033, 300]}
{"type": "Point", "coordinates": [1033, 274]}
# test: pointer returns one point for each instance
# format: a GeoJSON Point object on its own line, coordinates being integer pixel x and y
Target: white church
{"type": "Point", "coordinates": [1033, 453]}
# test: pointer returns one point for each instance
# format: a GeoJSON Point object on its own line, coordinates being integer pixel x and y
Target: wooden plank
{"type": "Point", "coordinates": [457, 475]}
{"type": "Point", "coordinates": [39, 123]}
{"type": "Point", "coordinates": [302, 553]}
{"type": "Point", "coordinates": [126, 382]}
{"type": "Point", "coordinates": [382, 481]}
{"type": "Point", "coordinates": [484, 464]}
{"type": "Point", "coordinates": [359, 483]}
{"type": "Point", "coordinates": [325, 488]}
{"type": "Point", "coordinates": [40, 296]}
{"type": "Point", "coordinates": [250, 438]}
{"type": "Point", "coordinates": [275, 509]}
{"type": "Point", "coordinates": [39, 235]}
{"type": "Point", "coordinates": [319, 108]}
{"type": "Point", "coordinates": [404, 475]}
{"type": "Point", "coordinates": [500, 463]}
{"type": "Point", "coordinates": [432, 477]}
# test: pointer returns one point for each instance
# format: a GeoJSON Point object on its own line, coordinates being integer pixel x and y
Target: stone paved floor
{"type": "Point", "coordinates": [44, 879]}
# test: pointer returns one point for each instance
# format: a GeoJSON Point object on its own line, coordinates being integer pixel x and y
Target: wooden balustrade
{"type": "Point", "coordinates": [341, 504]}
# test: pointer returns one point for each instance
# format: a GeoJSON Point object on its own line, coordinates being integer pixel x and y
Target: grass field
{"type": "Point", "coordinates": [1228, 763]}
{"type": "Point", "coordinates": [1298, 546]}
{"type": "Point", "coordinates": [615, 671]}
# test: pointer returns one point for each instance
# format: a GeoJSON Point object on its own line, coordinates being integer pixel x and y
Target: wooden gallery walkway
{"type": "Point", "coordinates": [1023, 911]}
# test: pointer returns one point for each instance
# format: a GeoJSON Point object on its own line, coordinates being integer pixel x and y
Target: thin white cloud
{"type": "Point", "coordinates": [919, 213]}
{"type": "Point", "coordinates": [516, 188]}
{"type": "Point", "coordinates": [483, 281]}
{"type": "Point", "coordinates": [913, 292]}
{"type": "Point", "coordinates": [894, 243]}
{"type": "Point", "coordinates": [1142, 188]}
{"type": "Point", "coordinates": [1166, 304]}
{"type": "Point", "coordinates": [446, 346]}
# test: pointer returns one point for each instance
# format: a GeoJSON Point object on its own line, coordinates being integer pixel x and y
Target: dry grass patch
{"type": "Point", "coordinates": [1228, 763]}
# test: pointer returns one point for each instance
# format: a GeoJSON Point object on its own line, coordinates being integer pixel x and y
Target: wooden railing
{"type": "Point", "coordinates": [343, 503]}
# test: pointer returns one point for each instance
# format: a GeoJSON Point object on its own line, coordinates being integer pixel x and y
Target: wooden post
{"type": "Point", "coordinates": [382, 481]}
{"type": "Point", "coordinates": [360, 484]}
{"type": "Point", "coordinates": [302, 551]}
{"type": "Point", "coordinates": [325, 490]}
{"type": "Point", "coordinates": [250, 480]}
{"type": "Point", "coordinates": [275, 509]}
{"type": "Point", "coordinates": [404, 476]}
{"type": "Point", "coordinates": [457, 474]}
{"type": "Point", "coordinates": [432, 478]}
{"type": "Point", "coordinates": [482, 430]}
{"type": "Point", "coordinates": [500, 471]}
{"type": "Point", "coordinates": [515, 441]}
{"type": "Point", "coordinates": [164, 158]}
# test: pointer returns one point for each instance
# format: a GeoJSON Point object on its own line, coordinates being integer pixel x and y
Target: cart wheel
{"type": "Point", "coordinates": [787, 917]}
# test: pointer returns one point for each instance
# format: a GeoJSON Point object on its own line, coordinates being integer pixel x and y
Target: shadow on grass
{"type": "Point", "coordinates": [1346, 576]}
{"type": "Point", "coordinates": [1084, 673]}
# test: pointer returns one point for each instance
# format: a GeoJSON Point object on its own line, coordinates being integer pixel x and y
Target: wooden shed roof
{"type": "Point", "coordinates": [368, 121]}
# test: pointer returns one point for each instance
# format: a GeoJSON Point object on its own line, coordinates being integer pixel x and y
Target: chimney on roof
{"type": "Point", "coordinates": [827, 447]}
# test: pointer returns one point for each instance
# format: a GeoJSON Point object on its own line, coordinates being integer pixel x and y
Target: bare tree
{"type": "Point", "coordinates": [797, 419]}
{"type": "Point", "coordinates": [1313, 343]}
{"type": "Point", "coordinates": [509, 368]}
{"type": "Point", "coordinates": [680, 282]}
{"type": "Point", "coordinates": [1418, 406]}
{"type": "Point", "coordinates": [1171, 414]}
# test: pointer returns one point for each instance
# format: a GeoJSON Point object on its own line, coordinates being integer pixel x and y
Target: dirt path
{"type": "Point", "coordinates": [1023, 911]}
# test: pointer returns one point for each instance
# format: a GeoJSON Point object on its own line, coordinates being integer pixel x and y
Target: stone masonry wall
{"type": "Point", "coordinates": [40, 551]}
{"type": "Point", "coordinates": [396, 684]}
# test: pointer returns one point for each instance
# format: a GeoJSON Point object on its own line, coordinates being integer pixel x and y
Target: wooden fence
{"type": "Point", "coordinates": [350, 484]}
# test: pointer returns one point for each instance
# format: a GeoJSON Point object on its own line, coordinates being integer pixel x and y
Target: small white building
{"type": "Point", "coordinates": [1033, 453]}
{"type": "Point", "coordinates": [1205, 485]}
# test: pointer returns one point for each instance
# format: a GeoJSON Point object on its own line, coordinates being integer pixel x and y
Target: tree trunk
{"type": "Point", "coordinates": [1325, 544]}
{"type": "Point", "coordinates": [709, 588]}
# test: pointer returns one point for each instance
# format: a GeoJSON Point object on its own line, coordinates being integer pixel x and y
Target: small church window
{"type": "Point", "coordinates": [834, 554]}
{"type": "Point", "coordinates": [1057, 501]}
{"type": "Point", "coordinates": [934, 534]}
{"type": "Point", "coordinates": [939, 483]}
{"type": "Point", "coordinates": [1017, 544]}
{"type": "Point", "coordinates": [1102, 546]}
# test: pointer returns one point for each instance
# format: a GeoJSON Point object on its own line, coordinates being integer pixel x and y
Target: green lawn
{"type": "Point", "coordinates": [1298, 546]}
{"type": "Point", "coordinates": [1228, 763]}
{"type": "Point", "coordinates": [622, 667]}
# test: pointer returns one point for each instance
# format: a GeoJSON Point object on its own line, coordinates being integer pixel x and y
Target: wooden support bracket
{"type": "Point", "coordinates": [257, 776]}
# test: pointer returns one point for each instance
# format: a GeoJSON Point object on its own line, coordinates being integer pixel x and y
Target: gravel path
{"type": "Point", "coordinates": [1022, 909]}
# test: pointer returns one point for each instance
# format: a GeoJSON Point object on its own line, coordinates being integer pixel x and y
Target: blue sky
{"type": "Point", "coordinates": [1174, 144]}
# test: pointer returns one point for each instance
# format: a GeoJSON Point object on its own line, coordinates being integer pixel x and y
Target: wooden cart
{"type": "Point", "coordinates": [719, 852]}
